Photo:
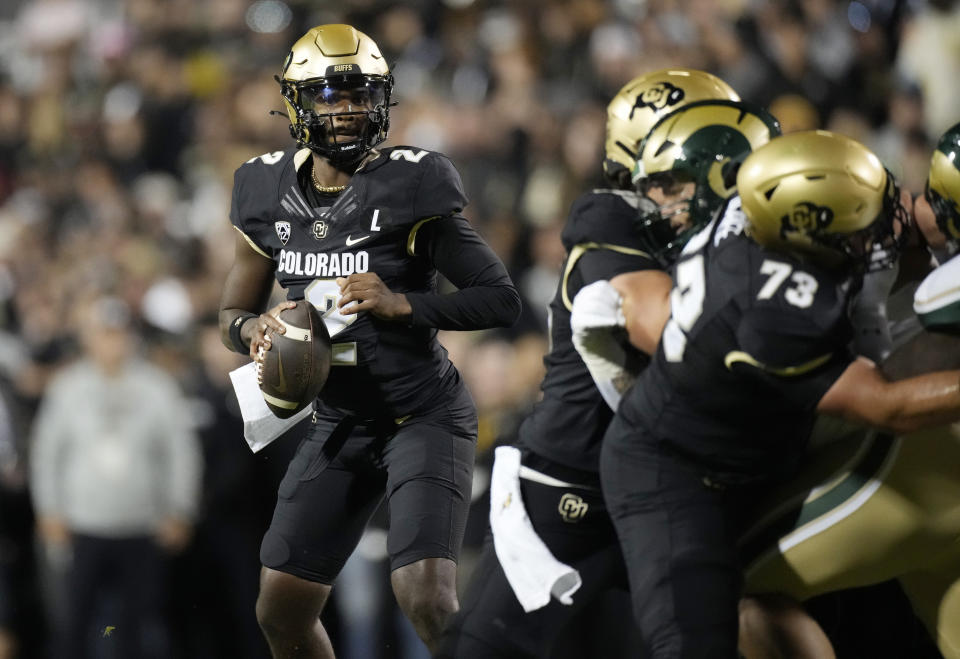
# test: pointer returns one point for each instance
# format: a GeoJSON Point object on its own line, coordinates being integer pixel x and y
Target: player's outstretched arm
{"type": "Point", "coordinates": [862, 394]}
{"type": "Point", "coordinates": [486, 297]}
{"type": "Point", "coordinates": [246, 293]}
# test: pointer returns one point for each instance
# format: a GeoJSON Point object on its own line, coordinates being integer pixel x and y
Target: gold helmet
{"type": "Point", "coordinates": [336, 87]}
{"type": "Point", "coordinates": [641, 102]}
{"type": "Point", "coordinates": [943, 184]}
{"type": "Point", "coordinates": [702, 143]}
{"type": "Point", "coordinates": [823, 196]}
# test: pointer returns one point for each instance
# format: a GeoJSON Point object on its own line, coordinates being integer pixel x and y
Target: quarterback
{"type": "Point", "coordinates": [361, 232]}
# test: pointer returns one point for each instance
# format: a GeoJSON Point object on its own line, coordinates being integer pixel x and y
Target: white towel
{"type": "Point", "coordinates": [531, 569]}
{"type": "Point", "coordinates": [260, 425]}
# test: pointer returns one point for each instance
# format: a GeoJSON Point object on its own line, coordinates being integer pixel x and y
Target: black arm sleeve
{"type": "Point", "coordinates": [486, 296]}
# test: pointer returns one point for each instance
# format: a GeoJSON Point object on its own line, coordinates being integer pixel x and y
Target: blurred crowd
{"type": "Point", "coordinates": [121, 123]}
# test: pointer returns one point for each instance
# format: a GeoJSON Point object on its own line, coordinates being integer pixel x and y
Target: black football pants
{"type": "Point", "coordinates": [491, 623]}
{"type": "Point", "coordinates": [678, 533]}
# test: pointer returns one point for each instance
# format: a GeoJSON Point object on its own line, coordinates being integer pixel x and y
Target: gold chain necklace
{"type": "Point", "coordinates": [325, 189]}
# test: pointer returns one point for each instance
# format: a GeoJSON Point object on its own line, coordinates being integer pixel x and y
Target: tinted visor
{"type": "Point", "coordinates": [350, 95]}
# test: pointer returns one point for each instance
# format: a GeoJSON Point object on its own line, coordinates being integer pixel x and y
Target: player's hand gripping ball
{"type": "Point", "coordinates": [294, 369]}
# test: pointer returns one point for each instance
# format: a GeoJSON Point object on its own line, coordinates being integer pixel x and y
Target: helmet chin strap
{"type": "Point", "coordinates": [323, 126]}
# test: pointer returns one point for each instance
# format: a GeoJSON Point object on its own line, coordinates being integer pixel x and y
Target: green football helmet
{"type": "Point", "coordinates": [642, 102]}
{"type": "Point", "coordinates": [943, 184]}
{"type": "Point", "coordinates": [703, 143]}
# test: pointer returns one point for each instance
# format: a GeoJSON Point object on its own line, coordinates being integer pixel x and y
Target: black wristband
{"type": "Point", "coordinates": [235, 338]}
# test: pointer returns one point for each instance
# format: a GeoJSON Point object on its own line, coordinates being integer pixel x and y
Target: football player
{"type": "Point", "coordinates": [884, 507]}
{"type": "Point", "coordinates": [361, 232]}
{"type": "Point", "coordinates": [755, 345]}
{"type": "Point", "coordinates": [937, 301]}
{"type": "Point", "coordinates": [533, 581]}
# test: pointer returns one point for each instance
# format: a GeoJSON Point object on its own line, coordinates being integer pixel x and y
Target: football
{"type": "Point", "coordinates": [293, 371]}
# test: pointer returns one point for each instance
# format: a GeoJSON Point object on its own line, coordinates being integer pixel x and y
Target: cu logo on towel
{"type": "Point", "coordinates": [572, 508]}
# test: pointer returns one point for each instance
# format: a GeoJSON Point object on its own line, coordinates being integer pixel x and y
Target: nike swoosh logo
{"type": "Point", "coordinates": [281, 387]}
{"type": "Point", "coordinates": [353, 241]}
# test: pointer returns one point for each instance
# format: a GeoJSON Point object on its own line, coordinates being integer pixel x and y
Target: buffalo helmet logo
{"type": "Point", "coordinates": [283, 231]}
{"type": "Point", "coordinates": [806, 217]}
{"type": "Point", "coordinates": [657, 97]}
{"type": "Point", "coordinates": [572, 507]}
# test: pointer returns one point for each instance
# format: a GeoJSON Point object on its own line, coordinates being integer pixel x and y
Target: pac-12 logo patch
{"type": "Point", "coordinates": [283, 231]}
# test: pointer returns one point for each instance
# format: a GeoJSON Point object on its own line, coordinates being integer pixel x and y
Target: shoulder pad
{"type": "Point", "coordinates": [794, 312]}
{"type": "Point", "coordinates": [268, 165]}
{"type": "Point", "coordinates": [602, 216]}
{"type": "Point", "coordinates": [438, 189]}
{"type": "Point", "coordinates": [401, 154]}
{"type": "Point", "coordinates": [791, 344]}
{"type": "Point", "coordinates": [257, 184]}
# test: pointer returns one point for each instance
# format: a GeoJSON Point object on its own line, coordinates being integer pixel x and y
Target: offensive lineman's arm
{"type": "Point", "coordinates": [862, 394]}
{"type": "Point", "coordinates": [646, 306]}
{"type": "Point", "coordinates": [637, 302]}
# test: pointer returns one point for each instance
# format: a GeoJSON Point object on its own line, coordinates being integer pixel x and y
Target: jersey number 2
{"type": "Point", "coordinates": [324, 294]}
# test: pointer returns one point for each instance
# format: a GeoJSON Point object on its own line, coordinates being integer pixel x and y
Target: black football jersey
{"type": "Point", "coordinates": [568, 423]}
{"type": "Point", "coordinates": [379, 367]}
{"type": "Point", "coordinates": [754, 341]}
